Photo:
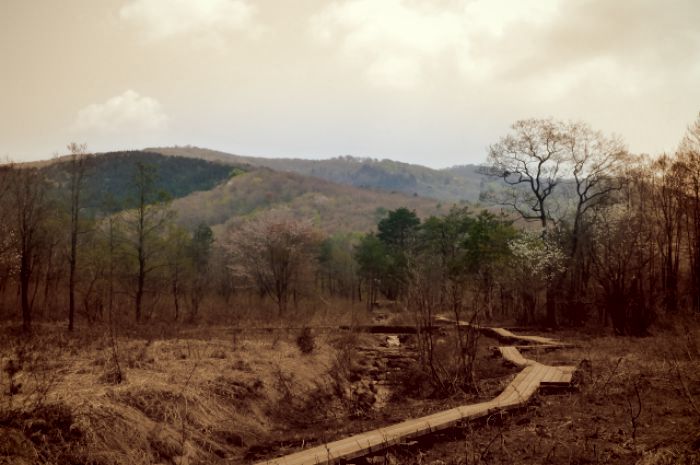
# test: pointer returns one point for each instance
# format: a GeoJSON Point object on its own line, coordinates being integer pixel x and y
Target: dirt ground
{"type": "Point", "coordinates": [219, 395]}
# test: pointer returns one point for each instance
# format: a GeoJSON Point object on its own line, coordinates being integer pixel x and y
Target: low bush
{"type": "Point", "coordinates": [306, 341]}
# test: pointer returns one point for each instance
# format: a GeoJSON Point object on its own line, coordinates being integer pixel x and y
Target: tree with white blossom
{"type": "Point", "coordinates": [273, 253]}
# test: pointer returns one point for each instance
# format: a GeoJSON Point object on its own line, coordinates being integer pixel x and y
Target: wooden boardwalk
{"type": "Point", "coordinates": [533, 376]}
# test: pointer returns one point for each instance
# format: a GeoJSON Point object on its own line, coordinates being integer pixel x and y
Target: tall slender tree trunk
{"type": "Point", "coordinates": [110, 290]}
{"type": "Point", "coordinates": [77, 171]}
{"type": "Point", "coordinates": [551, 304]}
{"type": "Point", "coordinates": [24, 276]}
{"type": "Point", "coordinates": [176, 293]}
{"type": "Point", "coordinates": [140, 287]}
{"type": "Point", "coordinates": [141, 232]}
{"type": "Point", "coordinates": [75, 199]}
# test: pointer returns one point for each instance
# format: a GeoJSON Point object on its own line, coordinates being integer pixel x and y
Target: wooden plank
{"type": "Point", "coordinates": [537, 347]}
{"type": "Point", "coordinates": [559, 376]}
{"type": "Point", "coordinates": [504, 334]}
{"type": "Point", "coordinates": [513, 355]}
{"type": "Point", "coordinates": [517, 391]}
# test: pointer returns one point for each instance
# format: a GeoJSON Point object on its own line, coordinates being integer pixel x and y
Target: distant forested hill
{"type": "Point", "coordinates": [332, 207]}
{"type": "Point", "coordinates": [461, 183]}
{"type": "Point", "coordinates": [206, 190]}
{"type": "Point", "coordinates": [109, 177]}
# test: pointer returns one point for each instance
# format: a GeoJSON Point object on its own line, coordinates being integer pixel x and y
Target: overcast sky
{"type": "Point", "coordinates": [423, 81]}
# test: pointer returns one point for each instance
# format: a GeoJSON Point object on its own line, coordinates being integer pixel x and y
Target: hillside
{"type": "Point", "coordinates": [332, 207]}
{"type": "Point", "coordinates": [460, 183]}
{"type": "Point", "coordinates": [109, 176]}
{"type": "Point", "coordinates": [205, 190]}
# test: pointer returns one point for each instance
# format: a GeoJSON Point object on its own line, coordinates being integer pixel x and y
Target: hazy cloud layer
{"type": "Point", "coordinates": [123, 114]}
{"type": "Point", "coordinates": [635, 42]}
{"type": "Point", "coordinates": [561, 44]}
{"type": "Point", "coordinates": [426, 81]}
{"type": "Point", "coordinates": [204, 19]}
{"type": "Point", "coordinates": [400, 43]}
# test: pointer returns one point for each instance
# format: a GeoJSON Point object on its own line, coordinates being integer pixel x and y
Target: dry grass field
{"type": "Point", "coordinates": [178, 399]}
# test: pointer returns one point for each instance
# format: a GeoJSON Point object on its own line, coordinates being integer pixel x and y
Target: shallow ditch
{"type": "Point", "coordinates": [382, 364]}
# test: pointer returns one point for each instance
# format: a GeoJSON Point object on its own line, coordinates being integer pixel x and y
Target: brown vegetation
{"type": "Point", "coordinates": [635, 403]}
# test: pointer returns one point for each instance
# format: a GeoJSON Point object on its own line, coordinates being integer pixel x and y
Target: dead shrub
{"type": "Point", "coordinates": [158, 405]}
{"type": "Point", "coordinates": [235, 390]}
{"type": "Point", "coordinates": [48, 433]}
{"type": "Point", "coordinates": [241, 365]}
{"type": "Point", "coordinates": [113, 375]}
{"type": "Point", "coordinates": [138, 357]}
{"type": "Point", "coordinates": [11, 368]}
{"type": "Point", "coordinates": [344, 369]}
{"type": "Point", "coordinates": [218, 354]}
{"type": "Point", "coordinates": [412, 382]}
{"type": "Point", "coordinates": [306, 341]}
{"type": "Point", "coordinates": [164, 446]}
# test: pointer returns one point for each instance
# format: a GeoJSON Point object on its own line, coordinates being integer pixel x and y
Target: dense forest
{"type": "Point", "coordinates": [109, 177]}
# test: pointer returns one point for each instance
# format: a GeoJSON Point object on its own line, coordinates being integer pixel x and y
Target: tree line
{"type": "Point", "coordinates": [587, 233]}
{"type": "Point", "coordinates": [580, 231]}
{"type": "Point", "coordinates": [63, 256]}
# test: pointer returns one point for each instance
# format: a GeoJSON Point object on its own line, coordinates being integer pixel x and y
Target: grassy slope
{"type": "Point", "coordinates": [197, 398]}
{"type": "Point", "coordinates": [331, 206]}
{"type": "Point", "coordinates": [455, 184]}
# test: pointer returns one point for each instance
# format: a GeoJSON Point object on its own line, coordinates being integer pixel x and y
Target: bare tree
{"type": "Point", "coordinates": [541, 155]}
{"type": "Point", "coordinates": [27, 192]}
{"type": "Point", "coordinates": [444, 275]}
{"type": "Point", "coordinates": [594, 164]}
{"type": "Point", "coordinates": [199, 255]}
{"type": "Point", "coordinates": [423, 301]}
{"type": "Point", "coordinates": [145, 223]}
{"type": "Point", "coordinates": [6, 230]}
{"type": "Point", "coordinates": [76, 170]}
{"type": "Point", "coordinates": [688, 169]}
{"type": "Point", "coordinates": [624, 257]}
{"type": "Point", "coordinates": [668, 212]}
{"type": "Point", "coordinates": [529, 161]}
{"type": "Point", "coordinates": [272, 253]}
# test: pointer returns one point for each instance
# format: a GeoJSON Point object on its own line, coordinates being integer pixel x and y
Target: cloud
{"type": "Point", "coordinates": [203, 19]}
{"type": "Point", "coordinates": [546, 47]}
{"type": "Point", "coordinates": [640, 41]}
{"type": "Point", "coordinates": [127, 113]}
{"type": "Point", "coordinates": [400, 43]}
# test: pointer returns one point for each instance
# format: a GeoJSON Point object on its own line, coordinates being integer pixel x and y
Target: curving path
{"type": "Point", "coordinates": [533, 376]}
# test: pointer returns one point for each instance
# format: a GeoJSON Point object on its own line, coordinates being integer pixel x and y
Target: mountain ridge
{"type": "Point", "coordinates": [223, 194]}
{"type": "Point", "coordinates": [460, 183]}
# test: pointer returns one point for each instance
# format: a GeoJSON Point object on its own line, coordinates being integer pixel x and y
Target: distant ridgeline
{"type": "Point", "coordinates": [455, 184]}
{"type": "Point", "coordinates": [109, 183]}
